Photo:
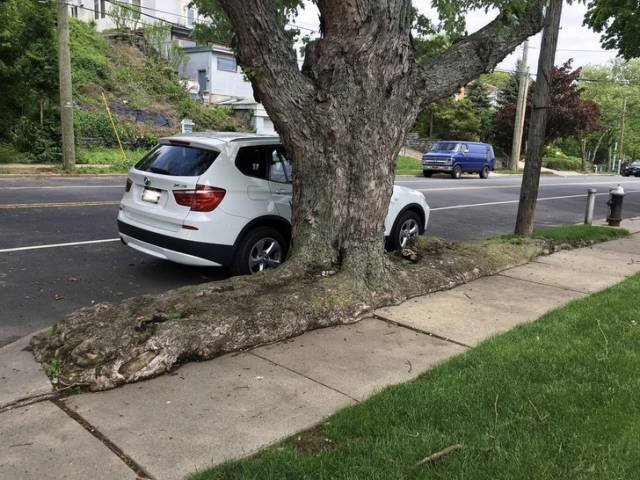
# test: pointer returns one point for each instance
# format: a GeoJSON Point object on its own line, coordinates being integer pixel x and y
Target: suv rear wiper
{"type": "Point", "coordinates": [161, 171]}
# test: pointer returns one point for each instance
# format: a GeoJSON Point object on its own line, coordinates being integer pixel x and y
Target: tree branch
{"type": "Point", "coordinates": [266, 54]}
{"type": "Point", "coordinates": [478, 53]}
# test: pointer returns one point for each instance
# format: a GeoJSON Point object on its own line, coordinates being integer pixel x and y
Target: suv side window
{"type": "Point", "coordinates": [251, 162]}
{"type": "Point", "coordinates": [279, 166]}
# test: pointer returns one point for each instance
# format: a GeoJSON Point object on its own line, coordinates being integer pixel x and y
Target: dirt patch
{"type": "Point", "coordinates": [312, 442]}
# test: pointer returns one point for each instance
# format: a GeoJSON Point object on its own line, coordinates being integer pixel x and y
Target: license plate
{"type": "Point", "coordinates": [151, 195]}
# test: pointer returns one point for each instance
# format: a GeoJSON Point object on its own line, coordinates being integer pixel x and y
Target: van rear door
{"type": "Point", "coordinates": [167, 168]}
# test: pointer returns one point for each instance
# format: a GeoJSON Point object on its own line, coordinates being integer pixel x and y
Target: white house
{"type": "Point", "coordinates": [176, 12]}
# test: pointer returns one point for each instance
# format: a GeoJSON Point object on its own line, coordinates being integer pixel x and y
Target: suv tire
{"type": "Point", "coordinates": [261, 249]}
{"type": "Point", "coordinates": [404, 229]}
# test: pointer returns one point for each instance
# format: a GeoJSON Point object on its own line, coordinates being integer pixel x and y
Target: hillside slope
{"type": "Point", "coordinates": [143, 92]}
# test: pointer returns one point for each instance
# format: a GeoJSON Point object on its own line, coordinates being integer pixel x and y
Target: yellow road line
{"type": "Point", "coordinates": [13, 206]}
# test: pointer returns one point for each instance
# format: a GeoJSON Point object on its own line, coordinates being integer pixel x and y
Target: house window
{"type": "Point", "coordinates": [74, 11]}
{"type": "Point", "coordinates": [136, 8]}
{"type": "Point", "coordinates": [96, 9]}
{"type": "Point", "coordinates": [103, 9]}
{"type": "Point", "coordinates": [191, 16]}
{"type": "Point", "coordinates": [227, 64]}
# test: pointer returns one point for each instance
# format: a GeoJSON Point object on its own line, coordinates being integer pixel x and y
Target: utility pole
{"type": "Point", "coordinates": [538, 121]}
{"type": "Point", "coordinates": [521, 108]}
{"type": "Point", "coordinates": [66, 98]}
{"type": "Point", "coordinates": [624, 112]}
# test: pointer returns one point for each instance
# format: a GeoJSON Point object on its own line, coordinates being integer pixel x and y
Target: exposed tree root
{"type": "Point", "coordinates": [110, 344]}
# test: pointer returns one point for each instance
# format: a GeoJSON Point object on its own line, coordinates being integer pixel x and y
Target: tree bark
{"type": "Point", "coordinates": [538, 122]}
{"type": "Point", "coordinates": [344, 115]}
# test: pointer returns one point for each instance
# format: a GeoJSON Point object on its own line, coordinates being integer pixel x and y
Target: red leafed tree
{"type": "Point", "coordinates": [569, 113]}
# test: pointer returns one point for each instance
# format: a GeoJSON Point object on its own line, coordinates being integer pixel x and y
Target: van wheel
{"type": "Point", "coordinates": [484, 173]}
{"type": "Point", "coordinates": [407, 226]}
{"type": "Point", "coordinates": [261, 249]}
{"type": "Point", "coordinates": [427, 174]}
{"type": "Point", "coordinates": [457, 172]}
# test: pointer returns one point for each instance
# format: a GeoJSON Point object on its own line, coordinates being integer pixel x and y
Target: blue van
{"type": "Point", "coordinates": [456, 157]}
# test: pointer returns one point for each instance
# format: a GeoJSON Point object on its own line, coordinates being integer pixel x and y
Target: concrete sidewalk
{"type": "Point", "coordinates": [205, 413]}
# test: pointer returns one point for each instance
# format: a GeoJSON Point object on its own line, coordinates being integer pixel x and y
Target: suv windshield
{"type": "Point", "coordinates": [445, 147]}
{"type": "Point", "coordinates": [177, 160]}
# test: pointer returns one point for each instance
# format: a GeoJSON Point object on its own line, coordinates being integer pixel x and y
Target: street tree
{"type": "Point", "coordinates": [344, 114]}
{"type": "Point", "coordinates": [342, 117]}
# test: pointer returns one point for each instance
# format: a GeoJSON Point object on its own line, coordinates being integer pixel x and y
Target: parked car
{"type": "Point", "coordinates": [224, 199]}
{"type": "Point", "coordinates": [458, 157]}
{"type": "Point", "coordinates": [632, 168]}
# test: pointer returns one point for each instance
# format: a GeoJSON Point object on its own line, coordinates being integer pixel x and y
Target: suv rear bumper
{"type": "Point", "coordinates": [175, 249]}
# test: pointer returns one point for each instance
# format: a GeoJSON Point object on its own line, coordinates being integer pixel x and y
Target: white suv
{"type": "Point", "coordinates": [224, 199]}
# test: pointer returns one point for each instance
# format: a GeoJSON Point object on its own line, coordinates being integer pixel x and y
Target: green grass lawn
{"type": "Point", "coordinates": [408, 166]}
{"type": "Point", "coordinates": [554, 399]}
{"type": "Point", "coordinates": [112, 157]}
{"type": "Point", "coordinates": [573, 234]}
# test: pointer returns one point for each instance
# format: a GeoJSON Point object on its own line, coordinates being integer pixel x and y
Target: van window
{"type": "Point", "coordinates": [445, 147]}
{"type": "Point", "coordinates": [177, 160]}
{"type": "Point", "coordinates": [251, 162]}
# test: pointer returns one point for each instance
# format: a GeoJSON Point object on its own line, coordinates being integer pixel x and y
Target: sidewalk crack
{"type": "Point", "coordinates": [140, 472]}
{"type": "Point", "coordinates": [544, 284]}
{"type": "Point", "coordinates": [423, 332]}
{"type": "Point", "coordinates": [304, 376]}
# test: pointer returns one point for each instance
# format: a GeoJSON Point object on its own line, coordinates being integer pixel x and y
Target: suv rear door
{"type": "Point", "coordinates": [166, 168]}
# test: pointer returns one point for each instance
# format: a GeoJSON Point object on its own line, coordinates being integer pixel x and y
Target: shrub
{"type": "Point", "coordinates": [94, 128]}
{"type": "Point", "coordinates": [40, 143]}
{"type": "Point", "coordinates": [563, 163]}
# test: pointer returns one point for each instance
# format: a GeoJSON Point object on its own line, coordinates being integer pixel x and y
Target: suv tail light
{"type": "Point", "coordinates": [127, 186]}
{"type": "Point", "coordinates": [203, 199]}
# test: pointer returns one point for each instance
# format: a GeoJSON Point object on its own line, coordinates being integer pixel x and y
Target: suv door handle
{"type": "Point", "coordinates": [283, 191]}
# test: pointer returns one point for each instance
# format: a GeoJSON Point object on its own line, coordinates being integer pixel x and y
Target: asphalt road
{"type": "Point", "coordinates": [40, 283]}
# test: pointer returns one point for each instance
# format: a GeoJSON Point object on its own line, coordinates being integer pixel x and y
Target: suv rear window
{"type": "Point", "coordinates": [177, 160]}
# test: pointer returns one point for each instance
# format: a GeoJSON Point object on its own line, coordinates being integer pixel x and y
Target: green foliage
{"type": "Point", "coordinates": [619, 23]}
{"type": "Point", "coordinates": [39, 142]}
{"type": "Point", "coordinates": [608, 86]}
{"type": "Point", "coordinates": [28, 63]}
{"type": "Point", "coordinates": [451, 119]}
{"type": "Point", "coordinates": [94, 127]}
{"type": "Point", "coordinates": [565, 163]}
{"type": "Point", "coordinates": [497, 79]}
{"type": "Point", "coordinates": [90, 57]}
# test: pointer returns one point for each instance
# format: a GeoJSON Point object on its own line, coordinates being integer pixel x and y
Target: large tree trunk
{"type": "Point", "coordinates": [344, 116]}
{"type": "Point", "coordinates": [342, 119]}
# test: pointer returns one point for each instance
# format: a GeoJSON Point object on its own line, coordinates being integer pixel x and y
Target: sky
{"type": "Point", "coordinates": [575, 41]}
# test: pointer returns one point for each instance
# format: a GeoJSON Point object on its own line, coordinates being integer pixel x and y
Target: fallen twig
{"type": "Point", "coordinates": [438, 455]}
